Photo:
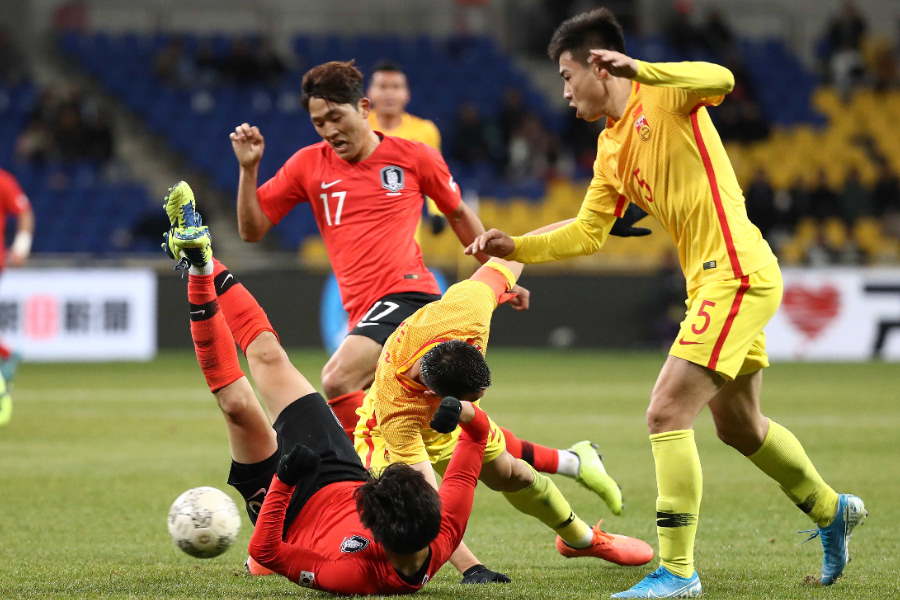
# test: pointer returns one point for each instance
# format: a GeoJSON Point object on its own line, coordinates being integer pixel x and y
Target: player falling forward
{"type": "Point", "coordinates": [320, 519]}
{"type": "Point", "coordinates": [365, 190]}
{"type": "Point", "coordinates": [661, 151]}
{"type": "Point", "coordinates": [437, 352]}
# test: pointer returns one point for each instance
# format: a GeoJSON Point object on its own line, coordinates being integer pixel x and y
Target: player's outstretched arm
{"type": "Point", "coordinates": [701, 77]}
{"type": "Point", "coordinates": [248, 145]}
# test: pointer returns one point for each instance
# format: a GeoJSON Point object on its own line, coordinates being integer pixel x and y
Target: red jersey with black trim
{"type": "Point", "coordinates": [328, 548]}
{"type": "Point", "coordinates": [367, 213]}
{"type": "Point", "coordinates": [13, 201]}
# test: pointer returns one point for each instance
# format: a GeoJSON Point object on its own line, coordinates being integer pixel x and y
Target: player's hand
{"type": "Point", "coordinates": [614, 63]}
{"type": "Point", "coordinates": [449, 414]}
{"type": "Point", "coordinates": [522, 299]}
{"type": "Point", "coordinates": [624, 225]}
{"type": "Point", "coordinates": [300, 461]}
{"type": "Point", "coordinates": [481, 574]}
{"type": "Point", "coordinates": [248, 144]}
{"type": "Point", "coordinates": [492, 242]}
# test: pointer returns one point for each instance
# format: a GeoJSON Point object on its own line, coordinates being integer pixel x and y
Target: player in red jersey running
{"type": "Point", "coordinates": [321, 520]}
{"type": "Point", "coordinates": [13, 202]}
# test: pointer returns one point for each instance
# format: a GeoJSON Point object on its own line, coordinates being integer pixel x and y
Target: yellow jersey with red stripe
{"type": "Point", "coordinates": [411, 128]}
{"type": "Point", "coordinates": [395, 415]}
{"type": "Point", "coordinates": [665, 155]}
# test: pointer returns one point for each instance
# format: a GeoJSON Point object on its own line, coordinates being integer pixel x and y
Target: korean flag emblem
{"type": "Point", "coordinates": [392, 178]}
{"type": "Point", "coordinates": [354, 543]}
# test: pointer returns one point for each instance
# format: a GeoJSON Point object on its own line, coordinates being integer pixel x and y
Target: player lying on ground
{"type": "Point", "coordinates": [273, 373]}
{"type": "Point", "coordinates": [324, 522]}
{"type": "Point", "coordinates": [661, 151]}
{"type": "Point", "coordinates": [439, 351]}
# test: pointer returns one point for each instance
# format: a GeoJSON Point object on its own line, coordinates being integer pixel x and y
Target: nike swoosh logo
{"type": "Point", "coordinates": [325, 186]}
{"type": "Point", "coordinates": [198, 312]}
{"type": "Point", "coordinates": [684, 343]}
{"type": "Point", "coordinates": [230, 276]}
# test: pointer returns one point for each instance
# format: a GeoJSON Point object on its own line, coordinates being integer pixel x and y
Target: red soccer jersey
{"type": "Point", "coordinates": [367, 213]}
{"type": "Point", "coordinates": [13, 201]}
{"type": "Point", "coordinates": [327, 547]}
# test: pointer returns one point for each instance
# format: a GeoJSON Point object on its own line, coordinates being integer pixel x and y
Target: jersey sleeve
{"type": "Point", "coordinates": [266, 545]}
{"type": "Point", "coordinates": [585, 235]}
{"type": "Point", "coordinates": [458, 488]}
{"type": "Point", "coordinates": [284, 190]}
{"type": "Point", "coordinates": [12, 199]}
{"type": "Point", "coordinates": [435, 180]}
{"type": "Point", "coordinates": [687, 84]}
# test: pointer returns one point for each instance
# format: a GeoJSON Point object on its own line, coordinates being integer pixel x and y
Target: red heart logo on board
{"type": "Point", "coordinates": [811, 310]}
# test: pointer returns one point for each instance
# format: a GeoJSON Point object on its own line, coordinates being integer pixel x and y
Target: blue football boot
{"type": "Point", "coordinates": [662, 583]}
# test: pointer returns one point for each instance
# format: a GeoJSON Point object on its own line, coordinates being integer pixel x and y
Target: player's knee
{"type": "Point", "coordinates": [335, 382]}
{"type": "Point", "coordinates": [235, 407]}
{"type": "Point", "coordinates": [265, 350]}
{"type": "Point", "coordinates": [660, 413]}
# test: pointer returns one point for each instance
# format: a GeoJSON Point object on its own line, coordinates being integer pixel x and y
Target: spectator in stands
{"type": "Point", "coordinates": [717, 34]}
{"type": "Point", "coordinates": [531, 151]}
{"type": "Point", "coordinates": [886, 193]}
{"type": "Point", "coordinates": [270, 64]}
{"type": "Point", "coordinates": [855, 200]}
{"type": "Point", "coordinates": [823, 202]}
{"type": "Point", "coordinates": [680, 31]}
{"type": "Point", "coordinates": [475, 140]}
{"type": "Point", "coordinates": [512, 111]}
{"type": "Point", "coordinates": [842, 43]}
{"type": "Point", "coordinates": [173, 65]}
{"type": "Point", "coordinates": [13, 68]}
{"type": "Point", "coordinates": [761, 203]}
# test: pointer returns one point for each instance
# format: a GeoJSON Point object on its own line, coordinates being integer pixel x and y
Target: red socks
{"type": "Point", "coordinates": [213, 342]}
{"type": "Point", "coordinates": [245, 317]}
{"type": "Point", "coordinates": [5, 352]}
{"type": "Point", "coordinates": [542, 458]}
{"type": "Point", "coordinates": [344, 408]}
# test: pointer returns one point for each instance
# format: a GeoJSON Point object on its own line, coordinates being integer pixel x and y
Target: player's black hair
{"type": "Point", "coordinates": [593, 30]}
{"type": "Point", "coordinates": [401, 509]}
{"type": "Point", "coordinates": [334, 81]}
{"type": "Point", "coordinates": [387, 66]}
{"type": "Point", "coordinates": [455, 368]}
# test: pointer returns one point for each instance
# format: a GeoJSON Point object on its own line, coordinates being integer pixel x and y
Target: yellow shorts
{"type": "Point", "coordinates": [374, 454]}
{"type": "Point", "coordinates": [723, 326]}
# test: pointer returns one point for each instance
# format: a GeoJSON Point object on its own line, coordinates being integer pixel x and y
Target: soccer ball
{"type": "Point", "coordinates": [204, 522]}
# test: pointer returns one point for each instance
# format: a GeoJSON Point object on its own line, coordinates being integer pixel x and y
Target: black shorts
{"type": "Point", "coordinates": [387, 313]}
{"type": "Point", "coordinates": [307, 421]}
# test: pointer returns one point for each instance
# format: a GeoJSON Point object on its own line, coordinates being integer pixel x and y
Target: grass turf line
{"type": "Point", "coordinates": [95, 454]}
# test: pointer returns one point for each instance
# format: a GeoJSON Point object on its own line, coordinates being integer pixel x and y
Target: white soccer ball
{"type": "Point", "coordinates": [204, 522]}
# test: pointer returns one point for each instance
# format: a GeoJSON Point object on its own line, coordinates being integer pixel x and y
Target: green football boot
{"type": "Point", "coordinates": [190, 246]}
{"type": "Point", "coordinates": [592, 475]}
{"type": "Point", "coordinates": [5, 403]}
{"type": "Point", "coordinates": [181, 208]}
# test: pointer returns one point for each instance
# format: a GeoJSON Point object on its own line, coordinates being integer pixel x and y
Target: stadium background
{"type": "Point", "coordinates": [104, 104]}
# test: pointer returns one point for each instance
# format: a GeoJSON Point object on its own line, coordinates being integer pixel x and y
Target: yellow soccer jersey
{"type": "Point", "coordinates": [395, 407]}
{"type": "Point", "coordinates": [411, 128]}
{"type": "Point", "coordinates": [665, 155]}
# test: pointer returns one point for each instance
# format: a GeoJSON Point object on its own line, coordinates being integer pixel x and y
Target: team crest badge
{"type": "Point", "coordinates": [392, 178]}
{"type": "Point", "coordinates": [354, 543]}
{"type": "Point", "coordinates": [642, 125]}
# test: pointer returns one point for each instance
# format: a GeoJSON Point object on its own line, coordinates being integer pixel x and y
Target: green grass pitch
{"type": "Point", "coordinates": [95, 454]}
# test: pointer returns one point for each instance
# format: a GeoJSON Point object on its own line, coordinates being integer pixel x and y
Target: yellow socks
{"type": "Point", "coordinates": [543, 501]}
{"type": "Point", "coordinates": [782, 458]}
{"type": "Point", "coordinates": [679, 482]}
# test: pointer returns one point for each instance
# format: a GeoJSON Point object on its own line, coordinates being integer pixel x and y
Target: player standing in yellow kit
{"type": "Point", "coordinates": [661, 151]}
